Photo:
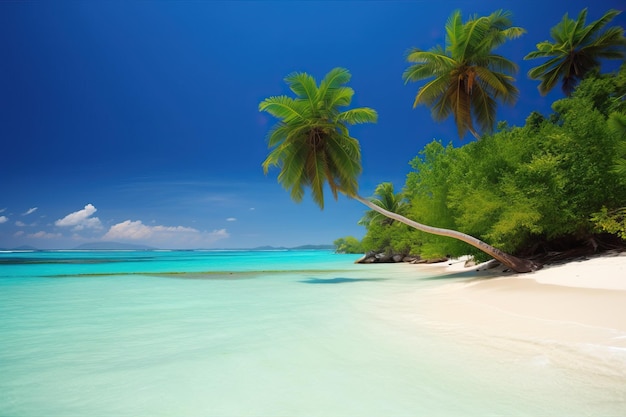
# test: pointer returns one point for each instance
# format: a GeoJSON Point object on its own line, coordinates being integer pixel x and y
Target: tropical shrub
{"type": "Point", "coordinates": [348, 244]}
{"type": "Point", "coordinates": [554, 182]}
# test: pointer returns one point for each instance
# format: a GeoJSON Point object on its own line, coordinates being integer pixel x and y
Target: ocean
{"type": "Point", "coordinates": [275, 333]}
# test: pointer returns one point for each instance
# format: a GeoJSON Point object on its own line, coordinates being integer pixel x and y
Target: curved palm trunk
{"type": "Point", "coordinates": [516, 264]}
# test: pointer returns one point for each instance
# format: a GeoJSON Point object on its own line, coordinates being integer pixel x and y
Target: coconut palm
{"type": "Point", "coordinates": [468, 78]}
{"type": "Point", "coordinates": [311, 146]}
{"type": "Point", "coordinates": [385, 197]}
{"type": "Point", "coordinates": [576, 50]}
{"type": "Point", "coordinates": [311, 143]}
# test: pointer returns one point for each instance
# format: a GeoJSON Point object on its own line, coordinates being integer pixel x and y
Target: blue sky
{"type": "Point", "coordinates": [138, 121]}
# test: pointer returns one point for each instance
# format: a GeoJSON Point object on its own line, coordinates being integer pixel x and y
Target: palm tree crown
{"type": "Point", "coordinates": [387, 198]}
{"type": "Point", "coordinates": [311, 143]}
{"type": "Point", "coordinates": [577, 49]}
{"type": "Point", "coordinates": [467, 77]}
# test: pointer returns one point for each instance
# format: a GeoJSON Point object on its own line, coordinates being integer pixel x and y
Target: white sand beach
{"type": "Point", "coordinates": [573, 314]}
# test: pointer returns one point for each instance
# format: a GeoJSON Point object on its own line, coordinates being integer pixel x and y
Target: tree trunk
{"type": "Point", "coordinates": [515, 263]}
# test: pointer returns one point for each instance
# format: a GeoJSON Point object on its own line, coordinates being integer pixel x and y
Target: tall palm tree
{"type": "Point", "coordinates": [387, 198]}
{"type": "Point", "coordinates": [468, 78]}
{"type": "Point", "coordinates": [576, 50]}
{"type": "Point", "coordinates": [311, 146]}
{"type": "Point", "coordinates": [311, 142]}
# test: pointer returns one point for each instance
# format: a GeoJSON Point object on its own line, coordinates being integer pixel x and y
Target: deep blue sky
{"type": "Point", "coordinates": [137, 121]}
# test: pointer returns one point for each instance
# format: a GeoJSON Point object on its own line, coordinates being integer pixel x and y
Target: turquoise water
{"type": "Point", "coordinates": [293, 333]}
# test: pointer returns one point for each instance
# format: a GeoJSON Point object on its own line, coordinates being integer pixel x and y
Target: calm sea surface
{"type": "Point", "coordinates": [293, 333]}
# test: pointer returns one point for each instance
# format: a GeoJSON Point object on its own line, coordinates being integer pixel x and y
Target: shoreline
{"type": "Point", "coordinates": [603, 271]}
{"type": "Point", "coordinates": [571, 314]}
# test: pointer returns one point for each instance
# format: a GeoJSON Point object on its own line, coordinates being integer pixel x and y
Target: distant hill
{"type": "Point", "coordinates": [303, 247]}
{"type": "Point", "coordinates": [25, 247]}
{"type": "Point", "coordinates": [267, 248]}
{"type": "Point", "coordinates": [111, 246]}
{"type": "Point", "coordinates": [130, 246]}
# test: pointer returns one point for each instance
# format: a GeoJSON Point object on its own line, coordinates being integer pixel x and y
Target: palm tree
{"type": "Point", "coordinates": [311, 146]}
{"type": "Point", "coordinates": [576, 50]}
{"type": "Point", "coordinates": [385, 197]}
{"type": "Point", "coordinates": [311, 143]}
{"type": "Point", "coordinates": [467, 77]}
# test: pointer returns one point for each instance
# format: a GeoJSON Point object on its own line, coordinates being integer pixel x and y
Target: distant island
{"type": "Point", "coordinates": [112, 246]}
{"type": "Point", "coordinates": [130, 246]}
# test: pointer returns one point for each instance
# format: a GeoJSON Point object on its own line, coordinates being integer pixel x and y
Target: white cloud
{"type": "Point", "coordinates": [129, 230]}
{"type": "Point", "coordinates": [81, 219]}
{"type": "Point", "coordinates": [20, 224]}
{"type": "Point", "coordinates": [231, 219]}
{"type": "Point", "coordinates": [29, 211]}
{"type": "Point", "coordinates": [19, 233]}
{"type": "Point", "coordinates": [44, 235]}
{"type": "Point", "coordinates": [137, 230]}
{"type": "Point", "coordinates": [172, 236]}
{"type": "Point", "coordinates": [3, 219]}
{"type": "Point", "coordinates": [252, 209]}
{"type": "Point", "coordinates": [2, 210]}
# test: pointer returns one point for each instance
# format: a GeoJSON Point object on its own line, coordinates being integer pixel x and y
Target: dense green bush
{"type": "Point", "coordinates": [522, 189]}
{"type": "Point", "coordinates": [348, 244]}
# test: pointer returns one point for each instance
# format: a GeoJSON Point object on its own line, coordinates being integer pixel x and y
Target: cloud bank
{"type": "Point", "coordinates": [81, 219]}
{"type": "Point", "coordinates": [171, 236]}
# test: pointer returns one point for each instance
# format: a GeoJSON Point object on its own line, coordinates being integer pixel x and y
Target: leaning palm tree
{"type": "Point", "coordinates": [468, 78]}
{"type": "Point", "coordinates": [576, 50]}
{"type": "Point", "coordinates": [311, 146]}
{"type": "Point", "coordinates": [384, 197]}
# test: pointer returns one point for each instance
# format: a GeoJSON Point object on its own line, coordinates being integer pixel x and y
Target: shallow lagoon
{"type": "Point", "coordinates": [305, 333]}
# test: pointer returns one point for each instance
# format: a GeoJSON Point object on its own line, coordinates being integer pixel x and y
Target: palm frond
{"type": "Point", "coordinates": [497, 85]}
{"type": "Point", "coordinates": [291, 162]}
{"type": "Point", "coordinates": [454, 31]}
{"type": "Point", "coordinates": [474, 33]}
{"type": "Point", "coordinates": [484, 107]}
{"type": "Point", "coordinates": [333, 80]}
{"type": "Point", "coordinates": [433, 90]}
{"type": "Point", "coordinates": [428, 64]}
{"type": "Point", "coordinates": [281, 107]}
{"type": "Point", "coordinates": [303, 85]}
{"type": "Point", "coordinates": [345, 156]}
{"type": "Point", "coordinates": [592, 30]}
{"type": "Point", "coordinates": [358, 116]}
{"type": "Point", "coordinates": [460, 103]}
{"type": "Point", "coordinates": [341, 97]}
{"type": "Point", "coordinates": [315, 170]}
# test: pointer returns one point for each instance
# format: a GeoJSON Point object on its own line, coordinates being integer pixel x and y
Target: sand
{"type": "Point", "coordinates": [573, 313]}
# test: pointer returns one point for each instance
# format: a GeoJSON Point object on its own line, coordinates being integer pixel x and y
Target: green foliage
{"type": "Point", "coordinates": [311, 144]}
{"type": "Point", "coordinates": [613, 222]}
{"type": "Point", "coordinates": [392, 238]}
{"type": "Point", "coordinates": [348, 244]}
{"type": "Point", "coordinates": [617, 124]}
{"type": "Point", "coordinates": [576, 51]}
{"type": "Point", "coordinates": [467, 77]}
{"type": "Point", "coordinates": [556, 178]}
{"type": "Point", "coordinates": [385, 197]}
